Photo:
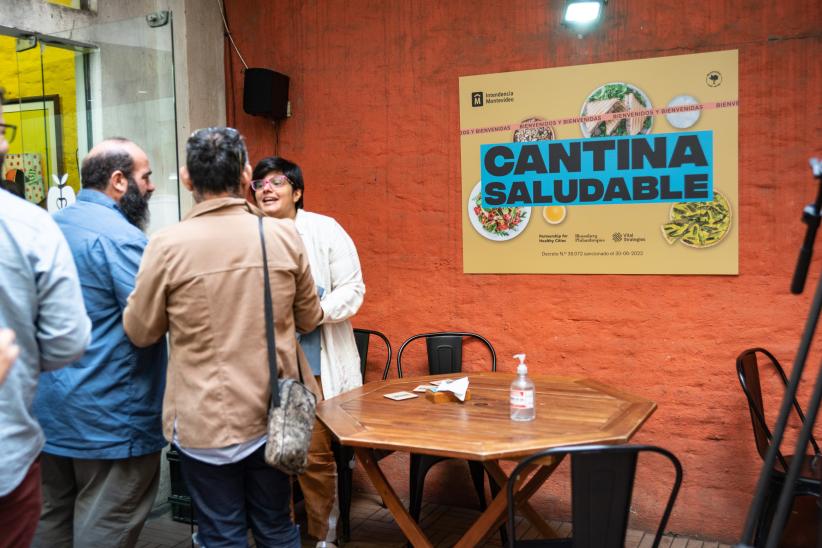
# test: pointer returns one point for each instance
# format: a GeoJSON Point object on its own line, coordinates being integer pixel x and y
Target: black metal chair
{"type": "Point", "coordinates": [363, 339]}
{"type": "Point", "coordinates": [444, 357]}
{"type": "Point", "coordinates": [602, 481]}
{"type": "Point", "coordinates": [808, 483]}
{"type": "Point", "coordinates": [344, 456]}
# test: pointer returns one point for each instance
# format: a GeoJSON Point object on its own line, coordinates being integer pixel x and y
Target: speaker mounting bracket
{"type": "Point", "coordinates": [158, 18]}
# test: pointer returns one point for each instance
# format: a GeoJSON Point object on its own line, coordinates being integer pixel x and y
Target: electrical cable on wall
{"type": "Point", "coordinates": [232, 90]}
{"type": "Point", "coordinates": [228, 32]}
{"type": "Point", "coordinates": [233, 120]}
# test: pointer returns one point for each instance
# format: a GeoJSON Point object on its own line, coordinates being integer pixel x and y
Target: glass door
{"type": "Point", "coordinates": [36, 153]}
{"type": "Point", "coordinates": [69, 90]}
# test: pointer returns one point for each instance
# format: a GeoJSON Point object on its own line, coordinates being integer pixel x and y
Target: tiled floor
{"type": "Point", "coordinates": [372, 526]}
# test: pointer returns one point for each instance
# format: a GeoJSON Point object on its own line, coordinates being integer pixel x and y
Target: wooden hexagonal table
{"type": "Point", "coordinates": [569, 411]}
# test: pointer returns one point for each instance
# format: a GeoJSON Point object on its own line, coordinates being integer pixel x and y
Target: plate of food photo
{"type": "Point", "coordinates": [529, 134]}
{"type": "Point", "coordinates": [497, 224]}
{"type": "Point", "coordinates": [698, 224]}
{"type": "Point", "coordinates": [612, 98]}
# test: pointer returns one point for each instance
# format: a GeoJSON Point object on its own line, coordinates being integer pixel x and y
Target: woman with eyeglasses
{"type": "Point", "coordinates": [277, 189]}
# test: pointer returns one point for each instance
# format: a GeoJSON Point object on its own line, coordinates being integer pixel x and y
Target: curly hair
{"type": "Point", "coordinates": [215, 159]}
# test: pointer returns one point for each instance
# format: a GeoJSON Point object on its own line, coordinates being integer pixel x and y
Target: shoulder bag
{"type": "Point", "coordinates": [293, 406]}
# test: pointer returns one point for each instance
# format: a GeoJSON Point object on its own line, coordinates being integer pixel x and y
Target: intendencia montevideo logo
{"type": "Point", "coordinates": [480, 98]}
{"type": "Point", "coordinates": [667, 167]}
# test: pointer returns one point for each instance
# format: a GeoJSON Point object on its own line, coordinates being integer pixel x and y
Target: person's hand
{"type": "Point", "coordinates": [8, 352]}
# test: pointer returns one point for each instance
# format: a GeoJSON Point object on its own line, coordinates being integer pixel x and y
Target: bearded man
{"type": "Point", "coordinates": [102, 414]}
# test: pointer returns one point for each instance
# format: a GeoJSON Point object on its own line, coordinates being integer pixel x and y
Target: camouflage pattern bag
{"type": "Point", "coordinates": [290, 424]}
{"type": "Point", "coordinates": [293, 406]}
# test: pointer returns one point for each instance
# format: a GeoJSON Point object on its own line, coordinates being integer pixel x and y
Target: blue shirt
{"type": "Point", "coordinates": [311, 344]}
{"type": "Point", "coordinates": [40, 299]}
{"type": "Point", "coordinates": [108, 404]}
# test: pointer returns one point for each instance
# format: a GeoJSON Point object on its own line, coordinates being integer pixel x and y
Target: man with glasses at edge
{"type": "Point", "coordinates": [41, 302]}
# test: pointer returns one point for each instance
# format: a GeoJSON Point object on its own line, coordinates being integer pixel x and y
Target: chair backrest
{"type": "Point", "coordinates": [602, 481]}
{"type": "Point", "coordinates": [445, 351]}
{"type": "Point", "coordinates": [363, 339]}
{"type": "Point", "coordinates": [747, 369]}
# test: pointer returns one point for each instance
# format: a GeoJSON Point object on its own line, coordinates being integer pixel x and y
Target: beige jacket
{"type": "Point", "coordinates": [202, 281]}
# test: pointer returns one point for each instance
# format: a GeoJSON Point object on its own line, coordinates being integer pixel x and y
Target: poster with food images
{"type": "Point", "coordinates": [628, 167]}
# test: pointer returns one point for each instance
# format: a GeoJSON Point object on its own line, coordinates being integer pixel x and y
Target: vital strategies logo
{"type": "Point", "coordinates": [482, 98]}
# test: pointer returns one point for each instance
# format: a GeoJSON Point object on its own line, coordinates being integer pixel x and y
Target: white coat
{"type": "Point", "coordinates": [335, 267]}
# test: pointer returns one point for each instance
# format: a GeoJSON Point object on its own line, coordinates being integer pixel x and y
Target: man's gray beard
{"type": "Point", "coordinates": [135, 206]}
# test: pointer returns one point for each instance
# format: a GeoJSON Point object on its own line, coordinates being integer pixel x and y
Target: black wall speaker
{"type": "Point", "coordinates": [265, 93]}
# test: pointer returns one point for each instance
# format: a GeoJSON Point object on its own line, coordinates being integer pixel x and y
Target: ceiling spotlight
{"type": "Point", "coordinates": [582, 14]}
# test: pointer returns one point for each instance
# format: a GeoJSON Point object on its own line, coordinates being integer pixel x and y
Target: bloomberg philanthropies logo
{"type": "Point", "coordinates": [479, 98]}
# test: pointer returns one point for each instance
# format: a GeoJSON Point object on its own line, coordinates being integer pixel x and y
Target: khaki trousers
{"type": "Point", "coordinates": [95, 502]}
{"type": "Point", "coordinates": [319, 485]}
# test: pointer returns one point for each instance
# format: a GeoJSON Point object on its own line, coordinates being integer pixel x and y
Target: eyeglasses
{"type": "Point", "coordinates": [5, 128]}
{"type": "Point", "coordinates": [277, 181]}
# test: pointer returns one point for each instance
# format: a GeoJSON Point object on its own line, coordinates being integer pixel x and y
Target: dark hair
{"type": "Point", "coordinates": [96, 169]}
{"type": "Point", "coordinates": [2, 95]}
{"type": "Point", "coordinates": [287, 168]}
{"type": "Point", "coordinates": [215, 159]}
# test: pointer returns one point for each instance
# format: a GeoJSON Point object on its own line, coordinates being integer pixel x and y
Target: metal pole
{"type": "Point", "coordinates": [782, 420]}
{"type": "Point", "coordinates": [786, 497]}
{"type": "Point", "coordinates": [796, 375]}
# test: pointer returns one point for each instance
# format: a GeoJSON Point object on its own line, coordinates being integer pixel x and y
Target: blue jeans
{"type": "Point", "coordinates": [230, 498]}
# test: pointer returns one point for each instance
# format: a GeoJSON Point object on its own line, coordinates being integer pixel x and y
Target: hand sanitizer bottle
{"type": "Point", "coordinates": [522, 394]}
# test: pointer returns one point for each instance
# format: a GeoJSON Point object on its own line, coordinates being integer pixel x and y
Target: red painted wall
{"type": "Point", "coordinates": [375, 128]}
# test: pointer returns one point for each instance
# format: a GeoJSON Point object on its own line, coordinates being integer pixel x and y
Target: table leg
{"type": "Point", "coordinates": [409, 527]}
{"type": "Point", "coordinates": [485, 524]}
{"type": "Point", "coordinates": [494, 514]}
{"type": "Point", "coordinates": [526, 492]}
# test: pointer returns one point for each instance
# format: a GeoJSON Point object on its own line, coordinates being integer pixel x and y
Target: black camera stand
{"type": "Point", "coordinates": [811, 216]}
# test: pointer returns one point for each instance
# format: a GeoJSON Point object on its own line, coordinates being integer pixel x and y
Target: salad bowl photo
{"type": "Point", "coordinates": [497, 224]}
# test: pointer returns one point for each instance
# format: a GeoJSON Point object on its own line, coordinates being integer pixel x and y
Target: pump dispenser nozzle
{"type": "Point", "coordinates": [522, 369]}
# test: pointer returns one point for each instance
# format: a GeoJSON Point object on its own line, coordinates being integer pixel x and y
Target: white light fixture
{"type": "Point", "coordinates": [581, 14]}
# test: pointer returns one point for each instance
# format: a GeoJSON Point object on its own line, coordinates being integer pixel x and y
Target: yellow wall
{"type": "Point", "coordinates": [68, 3]}
{"type": "Point", "coordinates": [22, 76]}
